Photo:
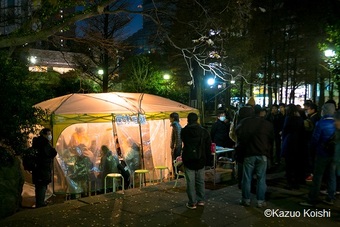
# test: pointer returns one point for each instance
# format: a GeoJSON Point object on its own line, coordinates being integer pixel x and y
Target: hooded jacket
{"type": "Point", "coordinates": [324, 130]}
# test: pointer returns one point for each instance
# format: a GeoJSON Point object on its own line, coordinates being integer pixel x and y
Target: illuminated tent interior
{"type": "Point", "coordinates": [117, 120]}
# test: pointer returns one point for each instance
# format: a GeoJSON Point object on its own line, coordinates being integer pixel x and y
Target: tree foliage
{"type": "Point", "coordinates": [17, 116]}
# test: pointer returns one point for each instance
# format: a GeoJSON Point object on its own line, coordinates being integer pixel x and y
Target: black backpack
{"type": "Point", "coordinates": [329, 145]}
{"type": "Point", "coordinates": [29, 158]}
{"type": "Point", "coordinates": [193, 152]}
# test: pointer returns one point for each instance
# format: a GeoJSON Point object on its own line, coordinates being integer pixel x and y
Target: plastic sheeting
{"type": "Point", "coordinates": [77, 167]}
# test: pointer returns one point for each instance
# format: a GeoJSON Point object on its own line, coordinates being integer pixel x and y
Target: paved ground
{"type": "Point", "coordinates": [162, 205]}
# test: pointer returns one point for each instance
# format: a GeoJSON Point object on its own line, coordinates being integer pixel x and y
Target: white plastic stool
{"type": "Point", "coordinates": [140, 172]}
{"type": "Point", "coordinates": [113, 175]}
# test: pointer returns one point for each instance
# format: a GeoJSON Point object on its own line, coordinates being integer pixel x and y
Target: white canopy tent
{"type": "Point", "coordinates": [138, 122]}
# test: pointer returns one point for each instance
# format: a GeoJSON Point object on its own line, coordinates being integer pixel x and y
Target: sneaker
{"type": "Point", "coordinates": [191, 207]}
{"type": "Point", "coordinates": [201, 203]}
{"type": "Point", "coordinates": [328, 201]}
{"type": "Point", "coordinates": [309, 178]}
{"type": "Point", "coordinates": [244, 203]}
{"type": "Point", "coordinates": [307, 204]}
{"type": "Point", "coordinates": [324, 192]}
{"type": "Point", "coordinates": [261, 204]}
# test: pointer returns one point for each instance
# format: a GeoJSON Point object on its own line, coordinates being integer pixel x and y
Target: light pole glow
{"type": "Point", "coordinates": [329, 53]}
{"type": "Point", "coordinates": [166, 77]}
{"type": "Point", "coordinates": [100, 72]}
{"type": "Point", "coordinates": [211, 81]}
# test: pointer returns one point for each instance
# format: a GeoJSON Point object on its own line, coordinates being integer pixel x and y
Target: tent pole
{"type": "Point", "coordinates": [141, 133]}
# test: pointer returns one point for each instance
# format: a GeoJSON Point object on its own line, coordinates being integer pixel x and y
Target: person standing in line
{"type": "Point", "coordinates": [292, 147]}
{"type": "Point", "coordinates": [42, 174]}
{"type": "Point", "coordinates": [255, 137]}
{"type": "Point", "coordinates": [196, 154]}
{"type": "Point", "coordinates": [324, 162]}
{"type": "Point", "coordinates": [312, 118]}
{"type": "Point", "coordinates": [176, 141]}
{"type": "Point", "coordinates": [277, 119]}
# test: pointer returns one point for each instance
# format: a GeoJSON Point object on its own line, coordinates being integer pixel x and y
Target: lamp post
{"type": "Point", "coordinates": [100, 72]}
{"type": "Point", "coordinates": [166, 77]}
{"type": "Point", "coordinates": [329, 53]}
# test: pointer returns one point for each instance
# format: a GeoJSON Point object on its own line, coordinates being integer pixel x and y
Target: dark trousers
{"type": "Point", "coordinates": [40, 191]}
{"type": "Point", "coordinates": [278, 148]}
{"type": "Point", "coordinates": [294, 170]}
{"type": "Point", "coordinates": [323, 165]}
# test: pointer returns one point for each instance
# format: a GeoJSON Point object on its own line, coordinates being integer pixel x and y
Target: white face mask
{"type": "Point", "coordinates": [222, 118]}
{"type": "Point", "coordinates": [49, 137]}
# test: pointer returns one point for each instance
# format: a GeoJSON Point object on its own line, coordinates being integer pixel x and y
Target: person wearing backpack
{"type": "Point", "coordinates": [196, 155]}
{"type": "Point", "coordinates": [42, 174]}
{"type": "Point", "coordinates": [322, 140]}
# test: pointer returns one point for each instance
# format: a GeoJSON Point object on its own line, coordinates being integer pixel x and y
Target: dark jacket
{"type": "Point", "coordinates": [255, 137]}
{"type": "Point", "coordinates": [323, 131]}
{"type": "Point", "coordinates": [176, 141]}
{"type": "Point", "coordinates": [220, 134]}
{"type": "Point", "coordinates": [277, 120]}
{"type": "Point", "coordinates": [193, 135]}
{"type": "Point", "coordinates": [293, 137]}
{"type": "Point", "coordinates": [43, 172]}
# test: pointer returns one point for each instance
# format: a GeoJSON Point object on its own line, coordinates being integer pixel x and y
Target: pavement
{"type": "Point", "coordinates": [163, 205]}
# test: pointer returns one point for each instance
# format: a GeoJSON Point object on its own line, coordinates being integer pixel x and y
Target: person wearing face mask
{"type": "Point", "coordinates": [220, 131]}
{"type": "Point", "coordinates": [42, 174]}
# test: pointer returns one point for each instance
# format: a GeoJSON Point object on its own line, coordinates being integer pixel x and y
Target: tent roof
{"type": "Point", "coordinates": [111, 103]}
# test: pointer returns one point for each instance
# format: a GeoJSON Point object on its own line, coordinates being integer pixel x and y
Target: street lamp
{"type": "Point", "coordinates": [33, 59]}
{"type": "Point", "coordinates": [232, 81]}
{"type": "Point", "coordinates": [166, 77]}
{"type": "Point", "coordinates": [329, 53]}
{"type": "Point", "coordinates": [100, 72]}
{"type": "Point", "coordinates": [211, 81]}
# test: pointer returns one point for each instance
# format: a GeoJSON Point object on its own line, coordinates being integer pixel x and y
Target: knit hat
{"type": "Point", "coordinates": [251, 101]}
{"type": "Point", "coordinates": [328, 109]}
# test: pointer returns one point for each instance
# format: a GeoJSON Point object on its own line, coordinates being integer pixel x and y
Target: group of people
{"type": "Point", "coordinates": [308, 143]}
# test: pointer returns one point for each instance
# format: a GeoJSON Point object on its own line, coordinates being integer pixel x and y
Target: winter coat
{"type": "Point", "coordinates": [277, 120]}
{"type": "Point", "coordinates": [193, 135]}
{"type": "Point", "coordinates": [324, 130]}
{"type": "Point", "coordinates": [176, 141]}
{"type": "Point", "coordinates": [255, 137]}
{"type": "Point", "coordinates": [42, 174]}
{"type": "Point", "coordinates": [220, 134]}
{"type": "Point", "coordinates": [292, 136]}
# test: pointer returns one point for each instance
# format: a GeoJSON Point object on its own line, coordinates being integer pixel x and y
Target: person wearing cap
{"type": "Point", "coordinates": [324, 163]}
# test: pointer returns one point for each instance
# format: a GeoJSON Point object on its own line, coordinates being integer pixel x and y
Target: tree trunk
{"type": "Point", "coordinates": [322, 91]}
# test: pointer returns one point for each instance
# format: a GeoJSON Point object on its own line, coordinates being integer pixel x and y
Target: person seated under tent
{"type": "Point", "coordinates": [82, 174]}
{"type": "Point", "coordinates": [108, 164]}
